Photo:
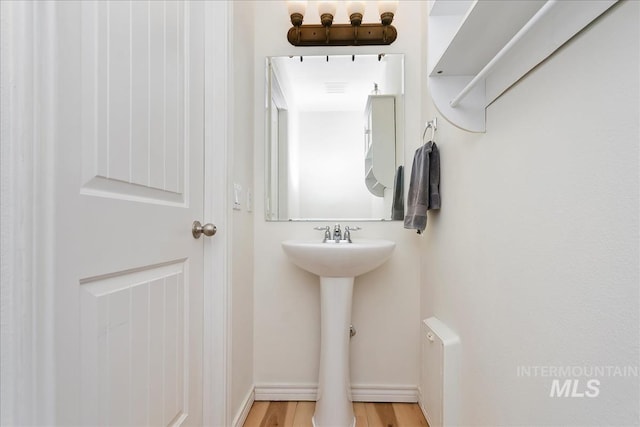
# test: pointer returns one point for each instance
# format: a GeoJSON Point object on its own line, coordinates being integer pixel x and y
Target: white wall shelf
{"type": "Point", "coordinates": [478, 49]}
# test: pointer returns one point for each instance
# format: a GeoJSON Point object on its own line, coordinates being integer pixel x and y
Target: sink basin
{"type": "Point", "coordinates": [331, 259]}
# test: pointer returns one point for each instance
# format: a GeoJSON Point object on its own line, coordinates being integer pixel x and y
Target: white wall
{"type": "Point", "coordinates": [386, 309]}
{"type": "Point", "coordinates": [533, 259]}
{"type": "Point", "coordinates": [241, 172]}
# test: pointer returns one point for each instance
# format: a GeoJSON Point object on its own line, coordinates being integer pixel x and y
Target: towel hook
{"type": "Point", "coordinates": [433, 125]}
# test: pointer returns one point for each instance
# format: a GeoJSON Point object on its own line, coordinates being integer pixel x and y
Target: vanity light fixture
{"type": "Point", "coordinates": [354, 34]}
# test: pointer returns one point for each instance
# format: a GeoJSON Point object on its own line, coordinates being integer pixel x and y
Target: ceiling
{"type": "Point", "coordinates": [329, 83]}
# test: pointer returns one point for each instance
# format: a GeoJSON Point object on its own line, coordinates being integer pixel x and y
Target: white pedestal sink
{"type": "Point", "coordinates": [337, 264]}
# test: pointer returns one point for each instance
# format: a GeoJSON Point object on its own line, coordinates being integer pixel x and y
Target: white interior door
{"type": "Point", "coordinates": [128, 185]}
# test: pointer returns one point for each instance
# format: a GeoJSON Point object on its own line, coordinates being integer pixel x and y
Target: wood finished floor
{"type": "Point", "coordinates": [298, 414]}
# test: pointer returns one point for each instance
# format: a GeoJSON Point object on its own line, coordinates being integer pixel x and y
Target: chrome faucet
{"type": "Point", "coordinates": [337, 233]}
{"type": "Point", "coordinates": [338, 236]}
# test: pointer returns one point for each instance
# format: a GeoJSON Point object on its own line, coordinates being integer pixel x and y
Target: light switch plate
{"type": "Point", "coordinates": [249, 201]}
{"type": "Point", "coordinates": [237, 196]}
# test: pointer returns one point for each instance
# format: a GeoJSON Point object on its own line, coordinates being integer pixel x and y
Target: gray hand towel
{"type": "Point", "coordinates": [434, 178]}
{"type": "Point", "coordinates": [397, 207]}
{"type": "Point", "coordinates": [424, 186]}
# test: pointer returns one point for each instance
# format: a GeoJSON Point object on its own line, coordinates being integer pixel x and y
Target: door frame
{"type": "Point", "coordinates": [217, 299]}
{"type": "Point", "coordinates": [27, 130]}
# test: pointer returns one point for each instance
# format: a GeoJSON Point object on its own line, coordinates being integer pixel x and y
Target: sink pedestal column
{"type": "Point", "coordinates": [333, 406]}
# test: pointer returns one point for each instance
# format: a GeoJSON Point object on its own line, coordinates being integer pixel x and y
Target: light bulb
{"type": "Point", "coordinates": [327, 7]}
{"type": "Point", "coordinates": [297, 6]}
{"type": "Point", "coordinates": [355, 7]}
{"type": "Point", "coordinates": [389, 6]}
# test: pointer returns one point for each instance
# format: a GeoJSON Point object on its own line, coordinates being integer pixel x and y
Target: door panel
{"type": "Point", "coordinates": [129, 183]}
{"type": "Point", "coordinates": [134, 100]}
{"type": "Point", "coordinates": [134, 346]}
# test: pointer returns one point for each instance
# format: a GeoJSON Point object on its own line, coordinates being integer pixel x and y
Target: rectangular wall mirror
{"type": "Point", "coordinates": [334, 137]}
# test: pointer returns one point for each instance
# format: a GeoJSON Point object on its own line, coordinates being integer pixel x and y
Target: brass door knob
{"type": "Point", "coordinates": [208, 229]}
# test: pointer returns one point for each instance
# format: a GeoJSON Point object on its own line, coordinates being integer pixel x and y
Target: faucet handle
{"type": "Point", "coordinates": [348, 230]}
{"type": "Point", "coordinates": [327, 232]}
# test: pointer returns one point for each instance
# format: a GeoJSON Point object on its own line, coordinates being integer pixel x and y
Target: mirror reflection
{"type": "Point", "coordinates": [334, 137]}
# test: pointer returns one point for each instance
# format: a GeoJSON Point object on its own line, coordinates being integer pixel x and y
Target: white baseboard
{"type": "Point", "coordinates": [360, 392]}
{"type": "Point", "coordinates": [241, 416]}
{"type": "Point", "coordinates": [421, 404]}
{"type": "Point", "coordinates": [276, 391]}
